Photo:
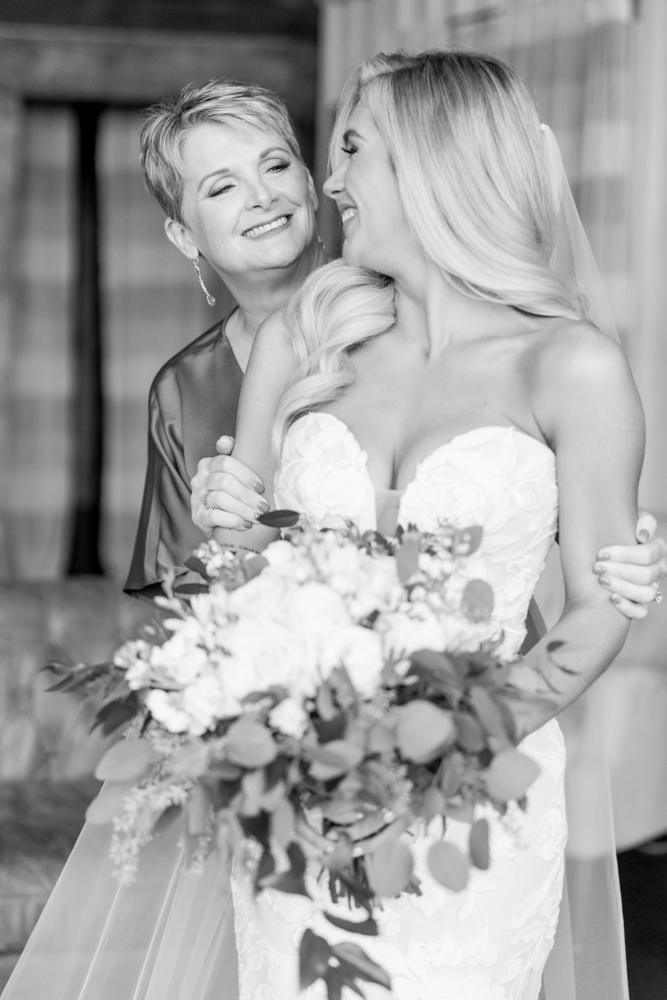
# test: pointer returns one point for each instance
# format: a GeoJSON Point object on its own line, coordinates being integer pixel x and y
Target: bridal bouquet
{"type": "Point", "coordinates": [315, 701]}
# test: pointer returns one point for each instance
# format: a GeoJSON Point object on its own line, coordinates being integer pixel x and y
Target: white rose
{"type": "Point", "coordinates": [404, 632]}
{"type": "Point", "coordinates": [316, 611]}
{"type": "Point", "coordinates": [265, 653]}
{"type": "Point", "coordinates": [289, 717]}
{"type": "Point", "coordinates": [134, 658]}
{"type": "Point", "coordinates": [378, 588]}
{"type": "Point", "coordinates": [359, 650]}
{"type": "Point", "coordinates": [267, 595]}
{"type": "Point", "coordinates": [179, 659]}
{"type": "Point", "coordinates": [287, 560]}
{"type": "Point", "coordinates": [205, 702]}
{"type": "Point", "coordinates": [165, 707]}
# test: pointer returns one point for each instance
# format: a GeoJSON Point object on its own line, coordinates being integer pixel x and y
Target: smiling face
{"type": "Point", "coordinates": [365, 188]}
{"type": "Point", "coordinates": [248, 203]}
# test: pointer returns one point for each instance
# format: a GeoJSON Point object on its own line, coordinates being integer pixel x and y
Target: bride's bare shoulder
{"type": "Point", "coordinates": [576, 369]}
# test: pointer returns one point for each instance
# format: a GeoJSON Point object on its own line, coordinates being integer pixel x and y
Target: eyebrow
{"type": "Point", "coordinates": [226, 170]}
{"type": "Point", "coordinates": [350, 133]}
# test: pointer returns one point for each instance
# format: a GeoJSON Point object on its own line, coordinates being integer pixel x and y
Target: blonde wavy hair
{"type": "Point", "coordinates": [464, 139]}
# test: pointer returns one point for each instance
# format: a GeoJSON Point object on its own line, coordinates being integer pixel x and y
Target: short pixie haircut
{"type": "Point", "coordinates": [243, 106]}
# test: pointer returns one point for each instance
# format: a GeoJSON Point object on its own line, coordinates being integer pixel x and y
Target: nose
{"type": "Point", "coordinates": [260, 194]}
{"type": "Point", "coordinates": [334, 185]}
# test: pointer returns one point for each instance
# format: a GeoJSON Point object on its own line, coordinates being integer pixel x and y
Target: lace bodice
{"type": "Point", "coordinates": [497, 477]}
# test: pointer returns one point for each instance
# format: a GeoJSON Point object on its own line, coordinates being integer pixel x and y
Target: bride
{"type": "Point", "coordinates": [447, 372]}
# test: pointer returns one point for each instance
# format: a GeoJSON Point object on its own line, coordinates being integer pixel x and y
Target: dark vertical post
{"type": "Point", "coordinates": [87, 410]}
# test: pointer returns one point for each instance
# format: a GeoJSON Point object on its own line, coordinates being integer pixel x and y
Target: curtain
{"type": "Point", "coordinates": [38, 382]}
{"type": "Point", "coordinates": [599, 72]}
{"type": "Point", "coordinates": [152, 306]}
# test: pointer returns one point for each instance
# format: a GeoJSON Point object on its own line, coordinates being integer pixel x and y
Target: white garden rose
{"type": "Point", "coordinates": [267, 653]}
{"type": "Point", "coordinates": [267, 595]}
{"type": "Point", "coordinates": [180, 659]}
{"type": "Point", "coordinates": [134, 658]}
{"type": "Point", "coordinates": [289, 717]}
{"type": "Point", "coordinates": [287, 560]}
{"type": "Point", "coordinates": [315, 612]}
{"type": "Point", "coordinates": [359, 650]}
{"type": "Point", "coordinates": [404, 632]}
{"type": "Point", "coordinates": [206, 701]}
{"type": "Point", "coordinates": [166, 708]}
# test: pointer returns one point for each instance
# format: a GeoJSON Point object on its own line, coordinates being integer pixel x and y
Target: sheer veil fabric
{"type": "Point", "coordinates": [170, 935]}
{"type": "Point", "coordinates": [588, 957]}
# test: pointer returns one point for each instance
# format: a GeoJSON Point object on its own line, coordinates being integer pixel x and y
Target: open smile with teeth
{"type": "Point", "coordinates": [348, 213]}
{"type": "Point", "coordinates": [268, 227]}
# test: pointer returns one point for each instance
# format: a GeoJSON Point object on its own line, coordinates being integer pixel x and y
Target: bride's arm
{"type": "Point", "coordinates": [271, 364]}
{"type": "Point", "coordinates": [587, 406]}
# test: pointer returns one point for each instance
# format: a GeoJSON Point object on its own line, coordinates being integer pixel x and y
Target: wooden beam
{"type": "Point", "coordinates": [137, 67]}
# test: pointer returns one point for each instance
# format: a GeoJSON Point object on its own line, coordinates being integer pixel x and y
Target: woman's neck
{"type": "Point", "coordinates": [430, 309]}
{"type": "Point", "coordinates": [262, 293]}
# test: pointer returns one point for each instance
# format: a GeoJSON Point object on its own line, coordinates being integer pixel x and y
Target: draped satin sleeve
{"type": "Point", "coordinates": [193, 401]}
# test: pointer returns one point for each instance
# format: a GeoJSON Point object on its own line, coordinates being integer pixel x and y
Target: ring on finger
{"type": "Point", "coordinates": [206, 496]}
{"type": "Point", "coordinates": [658, 594]}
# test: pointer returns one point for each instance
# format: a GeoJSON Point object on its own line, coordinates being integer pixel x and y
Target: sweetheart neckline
{"type": "Point", "coordinates": [440, 447]}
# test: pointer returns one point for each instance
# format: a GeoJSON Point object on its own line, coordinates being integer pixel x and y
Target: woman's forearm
{"type": "Point", "coordinates": [565, 663]}
{"type": "Point", "coordinates": [251, 540]}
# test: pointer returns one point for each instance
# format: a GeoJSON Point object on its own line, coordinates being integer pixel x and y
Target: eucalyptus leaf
{"type": "Point", "coordinates": [510, 775]}
{"type": "Point", "coordinates": [423, 730]}
{"type": "Point", "coordinates": [279, 518]}
{"type": "Point", "coordinates": [477, 601]}
{"type": "Point", "coordinates": [314, 955]}
{"type": "Point", "coordinates": [478, 844]}
{"type": "Point", "coordinates": [407, 557]}
{"type": "Point", "coordinates": [127, 760]}
{"type": "Point", "coordinates": [282, 823]}
{"type": "Point", "coordinates": [363, 966]}
{"type": "Point", "coordinates": [334, 759]}
{"type": "Point", "coordinates": [488, 713]}
{"type": "Point", "coordinates": [389, 867]}
{"type": "Point", "coordinates": [368, 926]}
{"type": "Point", "coordinates": [250, 744]}
{"type": "Point", "coordinates": [448, 866]}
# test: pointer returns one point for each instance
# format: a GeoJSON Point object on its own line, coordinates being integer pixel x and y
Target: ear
{"type": "Point", "coordinates": [313, 193]}
{"type": "Point", "coordinates": [180, 236]}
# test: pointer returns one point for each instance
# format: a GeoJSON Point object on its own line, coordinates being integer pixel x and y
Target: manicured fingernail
{"type": "Point", "coordinates": [598, 568]}
{"type": "Point", "coordinates": [258, 486]}
{"type": "Point", "coordinates": [263, 504]}
{"type": "Point", "coordinates": [603, 555]}
{"type": "Point", "coordinates": [643, 535]}
{"type": "Point", "coordinates": [604, 580]}
{"type": "Point", "coordinates": [247, 524]}
{"type": "Point", "coordinates": [615, 598]}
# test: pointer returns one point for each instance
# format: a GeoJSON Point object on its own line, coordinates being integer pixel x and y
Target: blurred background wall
{"type": "Point", "coordinates": [93, 299]}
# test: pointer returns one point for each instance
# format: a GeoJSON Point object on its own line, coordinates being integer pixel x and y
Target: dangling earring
{"type": "Point", "coordinates": [319, 240]}
{"type": "Point", "coordinates": [209, 298]}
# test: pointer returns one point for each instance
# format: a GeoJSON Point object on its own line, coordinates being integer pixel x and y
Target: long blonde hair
{"type": "Point", "coordinates": [464, 139]}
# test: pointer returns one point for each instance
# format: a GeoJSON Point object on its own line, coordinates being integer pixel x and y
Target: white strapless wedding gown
{"type": "Point", "coordinates": [491, 941]}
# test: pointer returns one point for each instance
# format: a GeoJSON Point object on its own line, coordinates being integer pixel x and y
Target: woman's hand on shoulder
{"type": "Point", "coordinates": [225, 492]}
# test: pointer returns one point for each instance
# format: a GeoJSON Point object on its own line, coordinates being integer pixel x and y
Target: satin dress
{"type": "Point", "coordinates": [193, 400]}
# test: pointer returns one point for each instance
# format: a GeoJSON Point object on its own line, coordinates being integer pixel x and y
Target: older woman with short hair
{"type": "Point", "coordinates": [224, 163]}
